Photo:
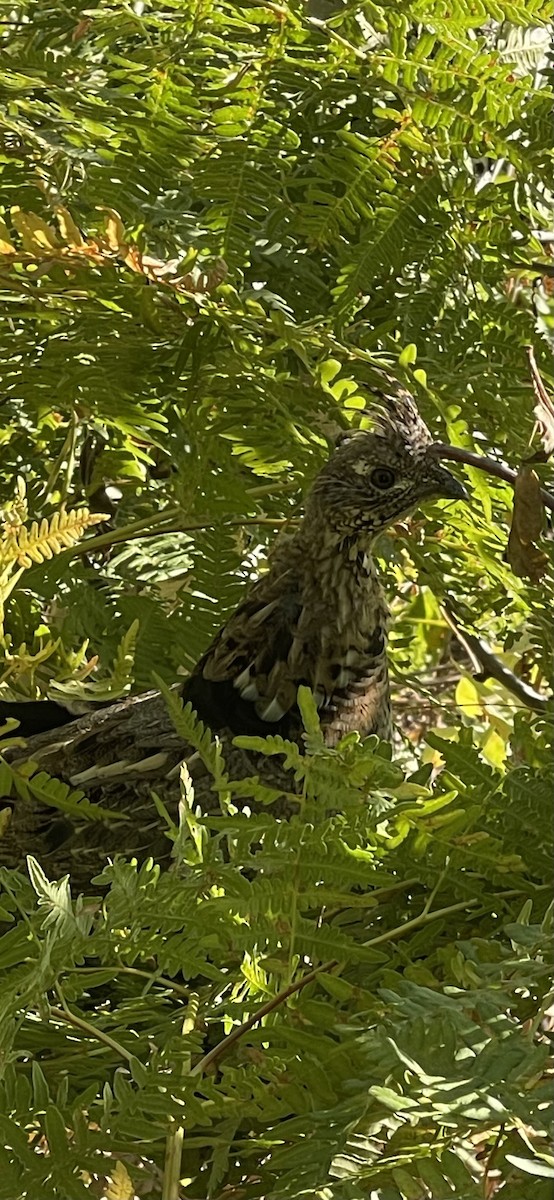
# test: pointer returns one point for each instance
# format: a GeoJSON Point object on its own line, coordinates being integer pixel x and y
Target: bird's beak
{"type": "Point", "coordinates": [442, 484]}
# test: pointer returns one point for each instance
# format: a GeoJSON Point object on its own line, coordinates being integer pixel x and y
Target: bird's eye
{"type": "Point", "coordinates": [382, 477]}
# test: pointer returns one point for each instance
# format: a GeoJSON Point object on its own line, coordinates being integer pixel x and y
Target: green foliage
{"type": "Point", "coordinates": [396, 947]}
{"type": "Point", "coordinates": [217, 221]}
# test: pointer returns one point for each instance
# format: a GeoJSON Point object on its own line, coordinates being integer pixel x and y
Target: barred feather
{"type": "Point", "coordinates": [317, 618]}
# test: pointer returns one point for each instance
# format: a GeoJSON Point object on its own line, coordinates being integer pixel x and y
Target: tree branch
{"type": "Point", "coordinates": [459, 454]}
{"type": "Point", "coordinates": [275, 1002]}
{"type": "Point", "coordinates": [486, 665]}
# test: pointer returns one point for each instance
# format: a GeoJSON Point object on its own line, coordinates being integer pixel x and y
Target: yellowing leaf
{"type": "Point", "coordinates": [6, 246]}
{"type": "Point", "coordinates": [408, 356]}
{"type": "Point", "coordinates": [494, 749]}
{"type": "Point", "coordinates": [36, 235]}
{"type": "Point", "coordinates": [68, 229]}
{"type": "Point", "coordinates": [36, 543]}
{"type": "Point", "coordinates": [327, 372]}
{"type": "Point", "coordinates": [346, 390]}
{"type": "Point", "coordinates": [120, 1186]}
{"type": "Point", "coordinates": [467, 697]}
{"type": "Point", "coordinates": [115, 232]}
{"type": "Point", "coordinates": [5, 818]}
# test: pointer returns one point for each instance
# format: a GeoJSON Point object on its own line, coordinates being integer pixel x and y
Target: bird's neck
{"type": "Point", "coordinates": [344, 572]}
{"type": "Point", "coordinates": [344, 619]}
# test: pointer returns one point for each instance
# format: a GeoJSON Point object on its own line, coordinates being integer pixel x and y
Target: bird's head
{"type": "Point", "coordinates": [376, 476]}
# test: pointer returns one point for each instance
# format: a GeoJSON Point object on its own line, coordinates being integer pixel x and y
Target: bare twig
{"type": "Point", "coordinates": [459, 454]}
{"type": "Point", "coordinates": [536, 268]}
{"type": "Point", "coordinates": [173, 520]}
{"type": "Point", "coordinates": [536, 377]}
{"type": "Point", "coordinates": [486, 665]}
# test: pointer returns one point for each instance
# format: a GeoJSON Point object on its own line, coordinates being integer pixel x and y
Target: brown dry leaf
{"type": "Point", "coordinates": [525, 558]}
{"type": "Point", "coordinates": [156, 268]}
{"type": "Point", "coordinates": [207, 281]}
{"type": "Point", "coordinates": [37, 237]}
{"type": "Point", "coordinates": [203, 282]}
{"type": "Point", "coordinates": [133, 259]}
{"type": "Point", "coordinates": [81, 29]}
{"type": "Point", "coordinates": [527, 562]}
{"type": "Point", "coordinates": [544, 413]}
{"type": "Point", "coordinates": [529, 514]}
{"type": "Point", "coordinates": [544, 407]}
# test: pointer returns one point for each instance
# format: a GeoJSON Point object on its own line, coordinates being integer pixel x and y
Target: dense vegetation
{"type": "Point", "coordinates": [218, 220]}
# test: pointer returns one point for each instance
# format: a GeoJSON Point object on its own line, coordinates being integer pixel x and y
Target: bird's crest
{"type": "Point", "coordinates": [395, 415]}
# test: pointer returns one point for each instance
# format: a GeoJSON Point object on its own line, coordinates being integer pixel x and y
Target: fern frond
{"type": "Point", "coordinates": [29, 782]}
{"type": "Point", "coordinates": [121, 1186]}
{"type": "Point", "coordinates": [193, 731]}
{"type": "Point", "coordinates": [273, 745]}
{"type": "Point", "coordinates": [39, 542]}
{"type": "Point", "coordinates": [117, 682]}
{"type": "Point", "coordinates": [404, 228]}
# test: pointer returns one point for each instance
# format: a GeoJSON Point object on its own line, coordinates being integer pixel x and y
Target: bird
{"type": "Point", "coordinates": [316, 617]}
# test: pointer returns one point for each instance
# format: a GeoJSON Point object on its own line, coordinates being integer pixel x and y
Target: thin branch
{"type": "Point", "coordinates": [155, 527]}
{"type": "Point", "coordinates": [538, 268]}
{"type": "Point", "coordinates": [151, 978]}
{"type": "Point", "coordinates": [317, 23]}
{"type": "Point", "coordinates": [490, 1160]}
{"type": "Point", "coordinates": [147, 525]}
{"type": "Point", "coordinates": [172, 1164]}
{"type": "Point", "coordinates": [67, 454]}
{"type": "Point", "coordinates": [171, 520]}
{"type": "Point", "coordinates": [176, 1134]}
{"type": "Point", "coordinates": [544, 409]}
{"type": "Point", "coordinates": [65, 1014]}
{"type": "Point", "coordinates": [276, 1001]}
{"type": "Point", "coordinates": [459, 454]}
{"type": "Point", "coordinates": [536, 378]}
{"type": "Point", "coordinates": [486, 665]}
{"type": "Point", "coordinates": [424, 918]}
{"type": "Point", "coordinates": [262, 1012]}
{"type": "Point", "coordinates": [368, 898]}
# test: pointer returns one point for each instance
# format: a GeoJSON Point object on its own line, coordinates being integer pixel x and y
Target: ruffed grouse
{"type": "Point", "coordinates": [317, 617]}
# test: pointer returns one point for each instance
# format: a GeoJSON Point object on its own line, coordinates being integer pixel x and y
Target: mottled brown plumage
{"type": "Point", "coordinates": [317, 617]}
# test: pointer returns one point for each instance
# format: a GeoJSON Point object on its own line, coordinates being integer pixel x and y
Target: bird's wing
{"type": "Point", "coordinates": [247, 680]}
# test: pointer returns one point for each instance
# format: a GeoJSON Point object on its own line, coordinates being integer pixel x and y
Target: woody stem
{"type": "Point", "coordinates": [459, 454]}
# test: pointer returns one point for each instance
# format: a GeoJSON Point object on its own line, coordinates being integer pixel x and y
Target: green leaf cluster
{"type": "Point", "coordinates": [217, 221]}
{"type": "Point", "coordinates": [349, 1001]}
